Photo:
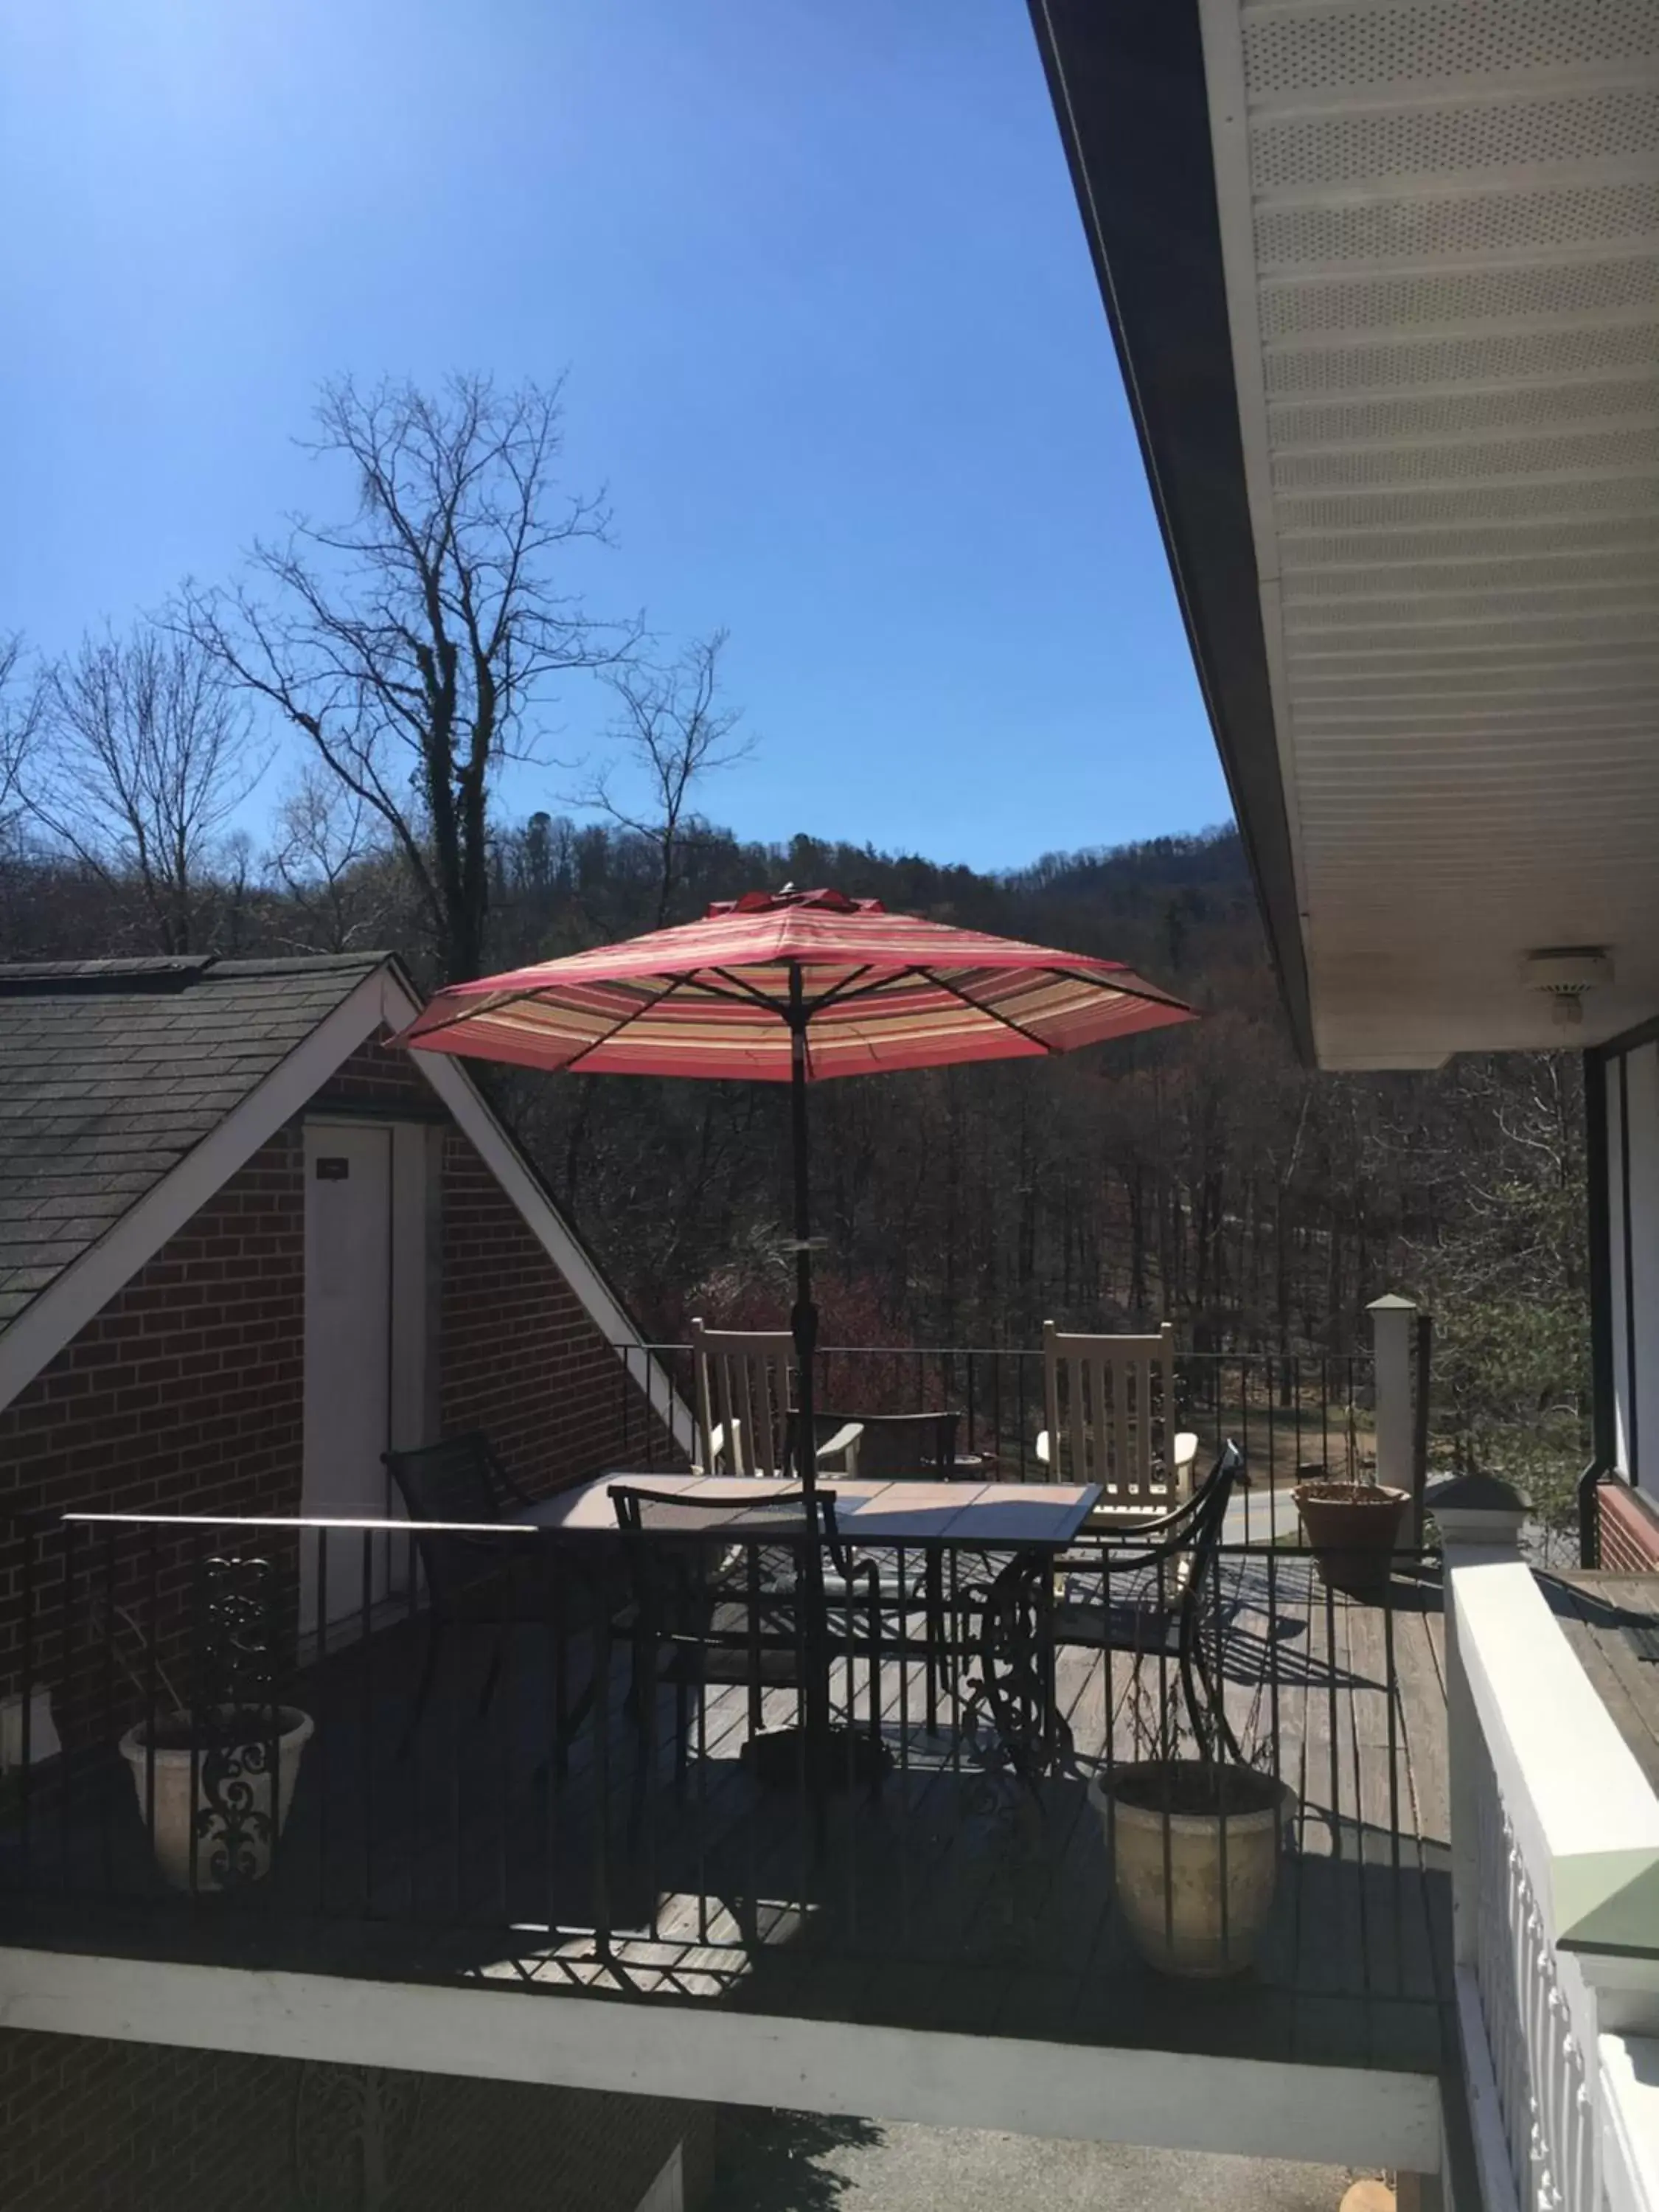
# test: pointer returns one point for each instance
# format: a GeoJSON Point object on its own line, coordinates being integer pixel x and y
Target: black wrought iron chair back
{"type": "Point", "coordinates": [469, 1578]}
{"type": "Point", "coordinates": [771, 1516]}
{"type": "Point", "coordinates": [715, 1590]}
{"type": "Point", "coordinates": [1187, 1542]}
{"type": "Point", "coordinates": [891, 1447]}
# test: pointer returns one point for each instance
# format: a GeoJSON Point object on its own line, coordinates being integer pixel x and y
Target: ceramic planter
{"type": "Point", "coordinates": [1195, 1852]}
{"type": "Point", "coordinates": [219, 1787]}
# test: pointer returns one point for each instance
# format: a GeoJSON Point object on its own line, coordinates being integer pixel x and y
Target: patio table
{"type": "Point", "coordinates": [1030, 1522]}
{"type": "Point", "coordinates": [994, 1515]}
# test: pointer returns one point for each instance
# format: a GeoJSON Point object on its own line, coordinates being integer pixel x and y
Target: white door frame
{"type": "Point", "coordinates": [411, 1260]}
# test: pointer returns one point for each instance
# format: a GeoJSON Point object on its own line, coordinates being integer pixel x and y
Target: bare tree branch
{"type": "Point", "coordinates": [148, 754]}
{"type": "Point", "coordinates": [672, 732]}
{"type": "Point", "coordinates": [21, 702]}
{"type": "Point", "coordinates": [331, 867]}
{"type": "Point", "coordinates": [414, 643]}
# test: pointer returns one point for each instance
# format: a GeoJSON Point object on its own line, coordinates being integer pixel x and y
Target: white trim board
{"type": "Point", "coordinates": [1259, 2108]}
{"type": "Point", "coordinates": [382, 1000]}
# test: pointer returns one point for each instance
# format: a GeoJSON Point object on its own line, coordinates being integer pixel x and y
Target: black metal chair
{"type": "Point", "coordinates": [715, 1588]}
{"type": "Point", "coordinates": [1182, 1547]}
{"type": "Point", "coordinates": [480, 1581]}
{"type": "Point", "coordinates": [890, 1448]}
{"type": "Point", "coordinates": [893, 1447]}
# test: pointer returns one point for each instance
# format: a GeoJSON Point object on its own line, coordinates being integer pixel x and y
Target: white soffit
{"type": "Point", "coordinates": [1440, 229]}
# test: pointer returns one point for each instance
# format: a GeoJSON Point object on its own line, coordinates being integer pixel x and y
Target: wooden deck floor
{"type": "Point", "coordinates": [942, 1899]}
{"type": "Point", "coordinates": [1611, 1622]}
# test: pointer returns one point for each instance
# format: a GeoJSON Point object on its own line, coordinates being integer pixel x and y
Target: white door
{"type": "Point", "coordinates": [347, 1383]}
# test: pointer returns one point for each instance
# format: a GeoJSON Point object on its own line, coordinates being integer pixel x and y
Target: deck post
{"type": "Point", "coordinates": [1393, 1326]}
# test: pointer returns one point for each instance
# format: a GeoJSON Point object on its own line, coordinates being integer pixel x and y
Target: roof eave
{"type": "Point", "coordinates": [1128, 87]}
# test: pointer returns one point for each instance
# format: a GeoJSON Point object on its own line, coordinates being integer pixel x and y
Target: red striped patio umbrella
{"type": "Point", "coordinates": [794, 987]}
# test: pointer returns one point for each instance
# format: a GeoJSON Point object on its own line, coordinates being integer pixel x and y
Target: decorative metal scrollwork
{"type": "Point", "coordinates": [1011, 1716]}
{"type": "Point", "coordinates": [1016, 1735]}
{"type": "Point", "coordinates": [237, 1627]}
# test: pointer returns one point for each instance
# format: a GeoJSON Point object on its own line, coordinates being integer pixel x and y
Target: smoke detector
{"type": "Point", "coordinates": [1564, 973]}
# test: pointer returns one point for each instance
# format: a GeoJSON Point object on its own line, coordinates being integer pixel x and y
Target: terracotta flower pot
{"type": "Point", "coordinates": [1195, 1901]}
{"type": "Point", "coordinates": [1353, 1527]}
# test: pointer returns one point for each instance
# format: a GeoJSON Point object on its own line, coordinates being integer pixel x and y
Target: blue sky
{"type": "Point", "coordinates": [817, 276]}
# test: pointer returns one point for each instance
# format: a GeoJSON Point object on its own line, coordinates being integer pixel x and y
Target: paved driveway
{"type": "Point", "coordinates": [798, 2162]}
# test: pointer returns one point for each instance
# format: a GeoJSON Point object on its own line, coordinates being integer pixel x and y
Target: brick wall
{"type": "Point", "coordinates": [378, 1077]}
{"type": "Point", "coordinates": [184, 1394]}
{"type": "Point", "coordinates": [190, 1382]}
{"type": "Point", "coordinates": [1629, 1530]}
{"type": "Point", "coordinates": [87, 2125]}
{"type": "Point", "coordinates": [520, 1358]}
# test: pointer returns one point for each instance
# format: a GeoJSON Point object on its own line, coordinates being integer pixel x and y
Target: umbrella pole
{"type": "Point", "coordinates": [803, 1325]}
{"type": "Point", "coordinates": [804, 1321]}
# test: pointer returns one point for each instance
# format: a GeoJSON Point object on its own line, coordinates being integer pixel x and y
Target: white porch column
{"type": "Point", "coordinates": [1392, 1321]}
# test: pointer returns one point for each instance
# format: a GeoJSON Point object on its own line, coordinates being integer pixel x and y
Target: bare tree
{"type": "Point", "coordinates": [673, 731]}
{"type": "Point", "coordinates": [20, 703]}
{"type": "Point", "coordinates": [149, 752]}
{"type": "Point", "coordinates": [413, 642]}
{"type": "Point", "coordinates": [328, 861]}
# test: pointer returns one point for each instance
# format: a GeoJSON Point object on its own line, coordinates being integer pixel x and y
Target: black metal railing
{"type": "Point", "coordinates": [269, 1722]}
{"type": "Point", "coordinates": [1295, 1417]}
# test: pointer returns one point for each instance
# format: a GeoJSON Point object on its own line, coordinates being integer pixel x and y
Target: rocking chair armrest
{"type": "Point", "coordinates": [843, 1446]}
{"type": "Point", "coordinates": [719, 1447]}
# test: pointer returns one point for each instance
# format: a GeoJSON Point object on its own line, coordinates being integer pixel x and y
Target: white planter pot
{"type": "Point", "coordinates": [1188, 1913]}
{"type": "Point", "coordinates": [230, 1806]}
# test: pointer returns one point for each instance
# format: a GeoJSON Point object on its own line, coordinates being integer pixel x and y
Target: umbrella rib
{"type": "Point", "coordinates": [1007, 1020]}
{"type": "Point", "coordinates": [740, 990]}
{"type": "Point", "coordinates": [473, 1014]}
{"type": "Point", "coordinates": [1149, 997]}
{"type": "Point", "coordinates": [850, 988]}
{"type": "Point", "coordinates": [616, 1028]}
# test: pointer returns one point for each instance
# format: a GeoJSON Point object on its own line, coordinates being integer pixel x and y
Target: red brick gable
{"type": "Point", "coordinates": [378, 1077]}
{"type": "Point", "coordinates": [186, 1391]}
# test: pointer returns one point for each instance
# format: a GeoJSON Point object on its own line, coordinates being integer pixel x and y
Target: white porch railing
{"type": "Point", "coordinates": [1555, 1901]}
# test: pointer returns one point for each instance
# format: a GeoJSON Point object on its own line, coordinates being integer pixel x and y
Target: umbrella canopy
{"type": "Point", "coordinates": [869, 991]}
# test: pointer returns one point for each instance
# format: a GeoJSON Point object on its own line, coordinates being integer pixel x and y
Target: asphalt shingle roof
{"type": "Point", "coordinates": [112, 1071]}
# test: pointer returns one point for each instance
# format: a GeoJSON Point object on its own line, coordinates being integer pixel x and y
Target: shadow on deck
{"type": "Point", "coordinates": [946, 1899]}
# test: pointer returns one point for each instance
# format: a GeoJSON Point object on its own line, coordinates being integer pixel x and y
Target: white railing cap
{"type": "Point", "coordinates": [1583, 1810]}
